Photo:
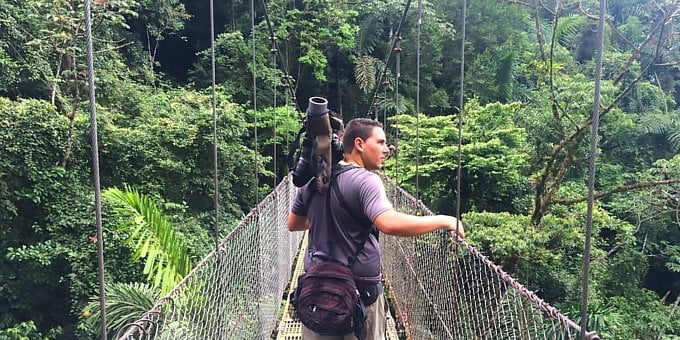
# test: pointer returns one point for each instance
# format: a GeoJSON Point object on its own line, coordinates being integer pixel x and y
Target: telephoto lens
{"type": "Point", "coordinates": [319, 130]}
{"type": "Point", "coordinates": [307, 163]}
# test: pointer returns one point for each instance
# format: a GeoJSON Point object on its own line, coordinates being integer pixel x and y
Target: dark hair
{"type": "Point", "coordinates": [358, 128]}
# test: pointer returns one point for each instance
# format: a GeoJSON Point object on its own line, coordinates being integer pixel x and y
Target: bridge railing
{"type": "Point", "coordinates": [235, 291]}
{"type": "Point", "coordinates": [446, 289]}
{"type": "Point", "coordinates": [442, 288]}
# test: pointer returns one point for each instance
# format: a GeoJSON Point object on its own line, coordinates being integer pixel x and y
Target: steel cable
{"type": "Point", "coordinates": [591, 168]}
{"type": "Point", "coordinates": [95, 166]}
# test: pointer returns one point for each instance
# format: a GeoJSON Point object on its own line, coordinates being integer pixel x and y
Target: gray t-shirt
{"type": "Point", "coordinates": [364, 193]}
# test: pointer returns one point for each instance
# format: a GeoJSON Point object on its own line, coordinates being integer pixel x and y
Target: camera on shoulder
{"type": "Point", "coordinates": [321, 146]}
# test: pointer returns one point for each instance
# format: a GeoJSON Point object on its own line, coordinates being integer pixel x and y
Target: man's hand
{"type": "Point", "coordinates": [453, 224]}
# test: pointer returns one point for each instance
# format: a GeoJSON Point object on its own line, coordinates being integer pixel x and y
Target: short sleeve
{"type": "Point", "coordinates": [299, 207]}
{"type": "Point", "coordinates": [373, 197]}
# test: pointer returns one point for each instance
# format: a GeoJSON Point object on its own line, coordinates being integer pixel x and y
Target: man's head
{"type": "Point", "coordinates": [364, 143]}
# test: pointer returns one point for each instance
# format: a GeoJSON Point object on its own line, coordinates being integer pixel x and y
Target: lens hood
{"type": "Point", "coordinates": [318, 106]}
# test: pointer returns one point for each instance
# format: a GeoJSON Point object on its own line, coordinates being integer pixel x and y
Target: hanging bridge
{"type": "Point", "coordinates": [439, 287]}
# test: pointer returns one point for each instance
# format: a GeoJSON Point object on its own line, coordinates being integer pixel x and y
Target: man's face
{"type": "Point", "coordinates": [375, 150]}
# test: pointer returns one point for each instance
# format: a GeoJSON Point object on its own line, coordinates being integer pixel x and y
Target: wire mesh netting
{"type": "Point", "coordinates": [235, 291]}
{"type": "Point", "coordinates": [445, 288]}
{"type": "Point", "coordinates": [442, 288]}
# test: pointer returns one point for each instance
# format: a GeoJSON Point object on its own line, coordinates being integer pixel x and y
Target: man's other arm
{"type": "Point", "coordinates": [395, 223]}
{"type": "Point", "coordinates": [297, 222]}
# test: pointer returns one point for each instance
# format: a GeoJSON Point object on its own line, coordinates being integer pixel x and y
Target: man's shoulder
{"type": "Point", "coordinates": [353, 173]}
{"type": "Point", "coordinates": [361, 180]}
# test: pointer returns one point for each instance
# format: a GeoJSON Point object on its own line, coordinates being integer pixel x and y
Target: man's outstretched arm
{"type": "Point", "coordinates": [395, 223]}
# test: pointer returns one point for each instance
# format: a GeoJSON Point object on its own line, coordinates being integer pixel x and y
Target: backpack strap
{"type": "Point", "coordinates": [337, 170]}
{"type": "Point", "coordinates": [336, 188]}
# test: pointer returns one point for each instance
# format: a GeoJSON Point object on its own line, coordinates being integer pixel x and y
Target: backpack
{"type": "Point", "coordinates": [327, 299]}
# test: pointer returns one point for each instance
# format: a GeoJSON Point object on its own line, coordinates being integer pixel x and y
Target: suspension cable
{"type": "Point", "coordinates": [384, 85]}
{"type": "Point", "coordinates": [389, 55]}
{"type": "Point", "coordinates": [591, 169]}
{"type": "Point", "coordinates": [274, 51]}
{"type": "Point", "coordinates": [284, 68]}
{"type": "Point", "coordinates": [461, 109]}
{"type": "Point", "coordinates": [95, 167]}
{"type": "Point", "coordinates": [214, 118]}
{"type": "Point", "coordinates": [397, 50]}
{"type": "Point", "coordinates": [257, 151]}
{"type": "Point", "coordinates": [418, 36]}
{"type": "Point", "coordinates": [287, 103]}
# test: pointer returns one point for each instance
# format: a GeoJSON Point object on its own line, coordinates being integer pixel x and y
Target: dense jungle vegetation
{"type": "Point", "coordinates": [529, 90]}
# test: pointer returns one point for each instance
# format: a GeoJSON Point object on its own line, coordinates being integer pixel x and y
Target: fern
{"type": "Point", "coordinates": [152, 237]}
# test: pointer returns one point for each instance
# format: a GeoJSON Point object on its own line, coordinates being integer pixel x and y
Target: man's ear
{"type": "Point", "coordinates": [359, 144]}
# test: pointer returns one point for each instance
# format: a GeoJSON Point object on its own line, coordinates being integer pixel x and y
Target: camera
{"type": "Point", "coordinates": [321, 146]}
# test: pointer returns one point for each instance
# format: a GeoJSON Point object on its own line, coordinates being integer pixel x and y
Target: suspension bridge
{"type": "Point", "coordinates": [438, 286]}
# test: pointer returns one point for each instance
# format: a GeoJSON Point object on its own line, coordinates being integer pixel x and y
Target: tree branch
{"type": "Point", "coordinates": [673, 63]}
{"type": "Point", "coordinates": [623, 188]}
{"type": "Point", "coordinates": [575, 139]}
{"type": "Point", "coordinates": [517, 2]}
{"type": "Point", "coordinates": [539, 35]}
{"type": "Point", "coordinates": [636, 53]}
{"type": "Point", "coordinates": [113, 48]}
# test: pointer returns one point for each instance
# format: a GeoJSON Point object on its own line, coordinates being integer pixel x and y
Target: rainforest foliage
{"type": "Point", "coordinates": [528, 91]}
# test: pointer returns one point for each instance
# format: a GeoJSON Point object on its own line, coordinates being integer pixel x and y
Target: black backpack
{"type": "Point", "coordinates": [327, 298]}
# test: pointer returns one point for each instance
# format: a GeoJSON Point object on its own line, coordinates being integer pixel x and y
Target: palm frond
{"type": "Point", "coordinates": [125, 303]}
{"type": "Point", "coordinates": [369, 34]}
{"type": "Point", "coordinates": [674, 140]}
{"type": "Point", "coordinates": [152, 237]}
{"type": "Point", "coordinates": [568, 28]}
{"type": "Point", "coordinates": [656, 124]}
{"type": "Point", "coordinates": [390, 104]}
{"type": "Point", "coordinates": [364, 73]}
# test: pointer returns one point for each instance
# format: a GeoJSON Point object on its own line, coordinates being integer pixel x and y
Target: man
{"type": "Point", "coordinates": [365, 148]}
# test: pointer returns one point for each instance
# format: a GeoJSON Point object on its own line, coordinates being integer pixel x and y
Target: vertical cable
{"type": "Point", "coordinates": [284, 65]}
{"type": "Point", "coordinates": [591, 169]}
{"type": "Point", "coordinates": [420, 24]}
{"type": "Point", "coordinates": [461, 108]}
{"type": "Point", "coordinates": [389, 55]}
{"type": "Point", "coordinates": [274, 51]}
{"type": "Point", "coordinates": [257, 152]}
{"type": "Point", "coordinates": [214, 118]}
{"type": "Point", "coordinates": [95, 167]}
{"type": "Point", "coordinates": [286, 85]}
{"type": "Point", "coordinates": [385, 83]}
{"type": "Point", "coordinates": [397, 50]}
